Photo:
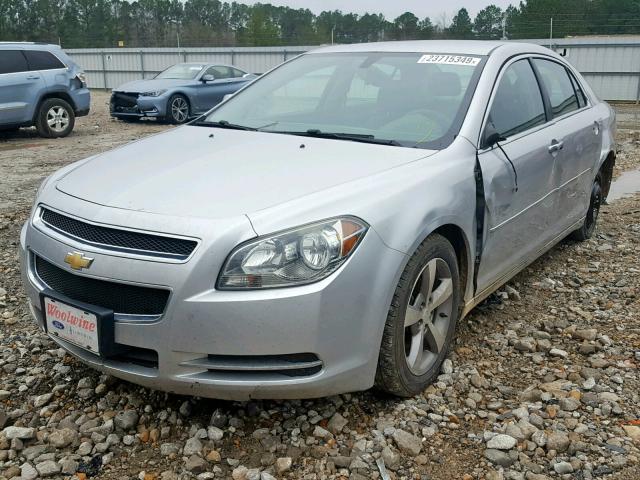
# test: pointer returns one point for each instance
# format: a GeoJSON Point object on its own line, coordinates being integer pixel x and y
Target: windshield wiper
{"type": "Point", "coordinates": [224, 124]}
{"type": "Point", "coordinates": [353, 137]}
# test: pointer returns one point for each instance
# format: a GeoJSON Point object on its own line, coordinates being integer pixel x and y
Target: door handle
{"type": "Point", "coordinates": [556, 145]}
{"type": "Point", "coordinates": [32, 77]}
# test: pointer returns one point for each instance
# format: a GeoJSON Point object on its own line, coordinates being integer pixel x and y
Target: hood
{"type": "Point", "coordinates": [212, 173]}
{"type": "Point", "coordinates": [139, 86]}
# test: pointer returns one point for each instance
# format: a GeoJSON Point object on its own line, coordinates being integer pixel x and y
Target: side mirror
{"type": "Point", "coordinates": [207, 78]}
{"type": "Point", "coordinates": [491, 136]}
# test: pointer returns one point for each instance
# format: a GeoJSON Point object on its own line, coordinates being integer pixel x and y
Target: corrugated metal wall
{"type": "Point", "coordinates": [610, 65]}
{"type": "Point", "coordinates": [108, 68]}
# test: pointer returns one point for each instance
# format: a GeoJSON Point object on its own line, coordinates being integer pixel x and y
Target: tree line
{"type": "Point", "coordinates": [192, 23]}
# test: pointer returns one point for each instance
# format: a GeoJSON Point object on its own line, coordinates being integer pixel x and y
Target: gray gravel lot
{"type": "Point", "coordinates": [543, 381]}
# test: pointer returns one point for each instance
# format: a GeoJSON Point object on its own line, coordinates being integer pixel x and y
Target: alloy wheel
{"type": "Point", "coordinates": [179, 109]}
{"type": "Point", "coordinates": [428, 316]}
{"type": "Point", "coordinates": [58, 119]}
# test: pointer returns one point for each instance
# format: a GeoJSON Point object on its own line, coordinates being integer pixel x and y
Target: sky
{"type": "Point", "coordinates": [391, 9]}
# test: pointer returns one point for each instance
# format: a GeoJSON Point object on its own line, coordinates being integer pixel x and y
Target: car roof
{"type": "Point", "coordinates": [470, 47]}
{"type": "Point", "coordinates": [206, 64]}
{"type": "Point", "coordinates": [30, 45]}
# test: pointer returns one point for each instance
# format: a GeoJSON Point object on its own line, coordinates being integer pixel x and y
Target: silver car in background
{"type": "Point", "coordinates": [324, 229]}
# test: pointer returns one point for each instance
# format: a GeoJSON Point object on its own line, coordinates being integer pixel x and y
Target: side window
{"type": "Point", "coordinates": [517, 105]}
{"type": "Point", "coordinates": [12, 61]}
{"type": "Point", "coordinates": [582, 98]}
{"type": "Point", "coordinates": [40, 60]}
{"type": "Point", "coordinates": [237, 73]}
{"type": "Point", "coordinates": [219, 72]}
{"type": "Point", "coordinates": [559, 87]}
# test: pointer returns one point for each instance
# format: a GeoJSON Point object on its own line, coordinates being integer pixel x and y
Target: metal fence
{"type": "Point", "coordinates": [611, 65]}
{"type": "Point", "coordinates": [110, 67]}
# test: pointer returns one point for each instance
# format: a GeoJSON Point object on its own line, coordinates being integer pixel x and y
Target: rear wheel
{"type": "Point", "coordinates": [55, 118]}
{"type": "Point", "coordinates": [421, 321]}
{"type": "Point", "coordinates": [178, 110]}
{"type": "Point", "coordinates": [587, 229]}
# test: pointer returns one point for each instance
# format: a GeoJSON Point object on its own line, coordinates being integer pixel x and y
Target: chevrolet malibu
{"type": "Point", "coordinates": [323, 230]}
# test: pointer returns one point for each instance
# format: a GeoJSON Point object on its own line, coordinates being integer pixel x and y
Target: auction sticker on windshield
{"type": "Point", "coordinates": [72, 324]}
{"type": "Point", "coordinates": [449, 59]}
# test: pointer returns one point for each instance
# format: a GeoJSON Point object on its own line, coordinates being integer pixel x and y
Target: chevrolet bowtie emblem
{"type": "Point", "coordinates": [77, 260]}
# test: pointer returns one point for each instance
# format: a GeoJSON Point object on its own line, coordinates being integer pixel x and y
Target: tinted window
{"type": "Point", "coordinates": [558, 84]}
{"type": "Point", "coordinates": [237, 73]}
{"type": "Point", "coordinates": [517, 105]}
{"type": "Point", "coordinates": [42, 60]}
{"type": "Point", "coordinates": [12, 61]}
{"type": "Point", "coordinates": [582, 98]}
{"type": "Point", "coordinates": [220, 72]}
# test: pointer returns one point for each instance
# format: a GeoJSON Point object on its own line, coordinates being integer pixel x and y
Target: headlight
{"type": "Point", "coordinates": [83, 78]}
{"type": "Point", "coordinates": [299, 256]}
{"type": "Point", "coordinates": [154, 93]}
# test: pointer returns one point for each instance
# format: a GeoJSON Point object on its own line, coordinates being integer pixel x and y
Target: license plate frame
{"type": "Point", "coordinates": [104, 345]}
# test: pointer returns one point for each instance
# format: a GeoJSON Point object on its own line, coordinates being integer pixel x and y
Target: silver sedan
{"type": "Point", "coordinates": [323, 230]}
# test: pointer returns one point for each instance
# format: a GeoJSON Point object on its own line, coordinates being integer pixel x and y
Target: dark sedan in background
{"type": "Point", "coordinates": [181, 92]}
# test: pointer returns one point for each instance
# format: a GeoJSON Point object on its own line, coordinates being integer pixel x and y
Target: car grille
{"type": "Point", "coordinates": [119, 297]}
{"type": "Point", "coordinates": [114, 239]}
{"type": "Point", "coordinates": [124, 102]}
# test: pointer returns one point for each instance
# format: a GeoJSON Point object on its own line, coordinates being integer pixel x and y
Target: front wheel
{"type": "Point", "coordinates": [178, 109]}
{"type": "Point", "coordinates": [55, 118]}
{"type": "Point", "coordinates": [421, 321]}
{"type": "Point", "coordinates": [587, 229]}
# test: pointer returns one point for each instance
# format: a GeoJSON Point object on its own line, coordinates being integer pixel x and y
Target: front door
{"type": "Point", "coordinates": [19, 88]}
{"type": "Point", "coordinates": [517, 173]}
{"type": "Point", "coordinates": [212, 93]}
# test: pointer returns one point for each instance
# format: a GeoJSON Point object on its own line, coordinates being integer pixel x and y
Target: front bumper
{"type": "Point", "coordinates": [309, 341]}
{"type": "Point", "coordinates": [123, 105]}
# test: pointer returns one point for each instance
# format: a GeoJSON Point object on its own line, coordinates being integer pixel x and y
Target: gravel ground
{"type": "Point", "coordinates": [543, 381]}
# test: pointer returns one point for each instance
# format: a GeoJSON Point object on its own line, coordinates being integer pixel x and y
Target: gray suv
{"type": "Point", "coordinates": [40, 86]}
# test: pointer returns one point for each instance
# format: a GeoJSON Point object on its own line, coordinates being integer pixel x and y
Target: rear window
{"type": "Point", "coordinates": [12, 61]}
{"type": "Point", "coordinates": [41, 60]}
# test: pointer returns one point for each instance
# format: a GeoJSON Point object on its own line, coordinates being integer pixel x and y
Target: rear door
{"type": "Point", "coordinates": [19, 88]}
{"type": "Point", "coordinates": [517, 210]}
{"type": "Point", "coordinates": [578, 140]}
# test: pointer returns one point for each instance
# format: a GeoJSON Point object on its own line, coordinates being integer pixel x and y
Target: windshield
{"type": "Point", "coordinates": [408, 99]}
{"type": "Point", "coordinates": [182, 71]}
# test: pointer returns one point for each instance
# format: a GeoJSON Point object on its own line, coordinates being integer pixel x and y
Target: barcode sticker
{"type": "Point", "coordinates": [449, 60]}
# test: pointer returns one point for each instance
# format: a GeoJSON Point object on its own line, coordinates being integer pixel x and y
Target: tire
{"type": "Point", "coordinates": [55, 118]}
{"type": "Point", "coordinates": [585, 232]}
{"type": "Point", "coordinates": [178, 109]}
{"type": "Point", "coordinates": [400, 371]}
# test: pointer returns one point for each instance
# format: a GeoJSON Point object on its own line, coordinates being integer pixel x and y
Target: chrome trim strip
{"type": "Point", "coordinates": [46, 228]}
{"type": "Point", "coordinates": [555, 190]}
{"type": "Point", "coordinates": [213, 364]}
